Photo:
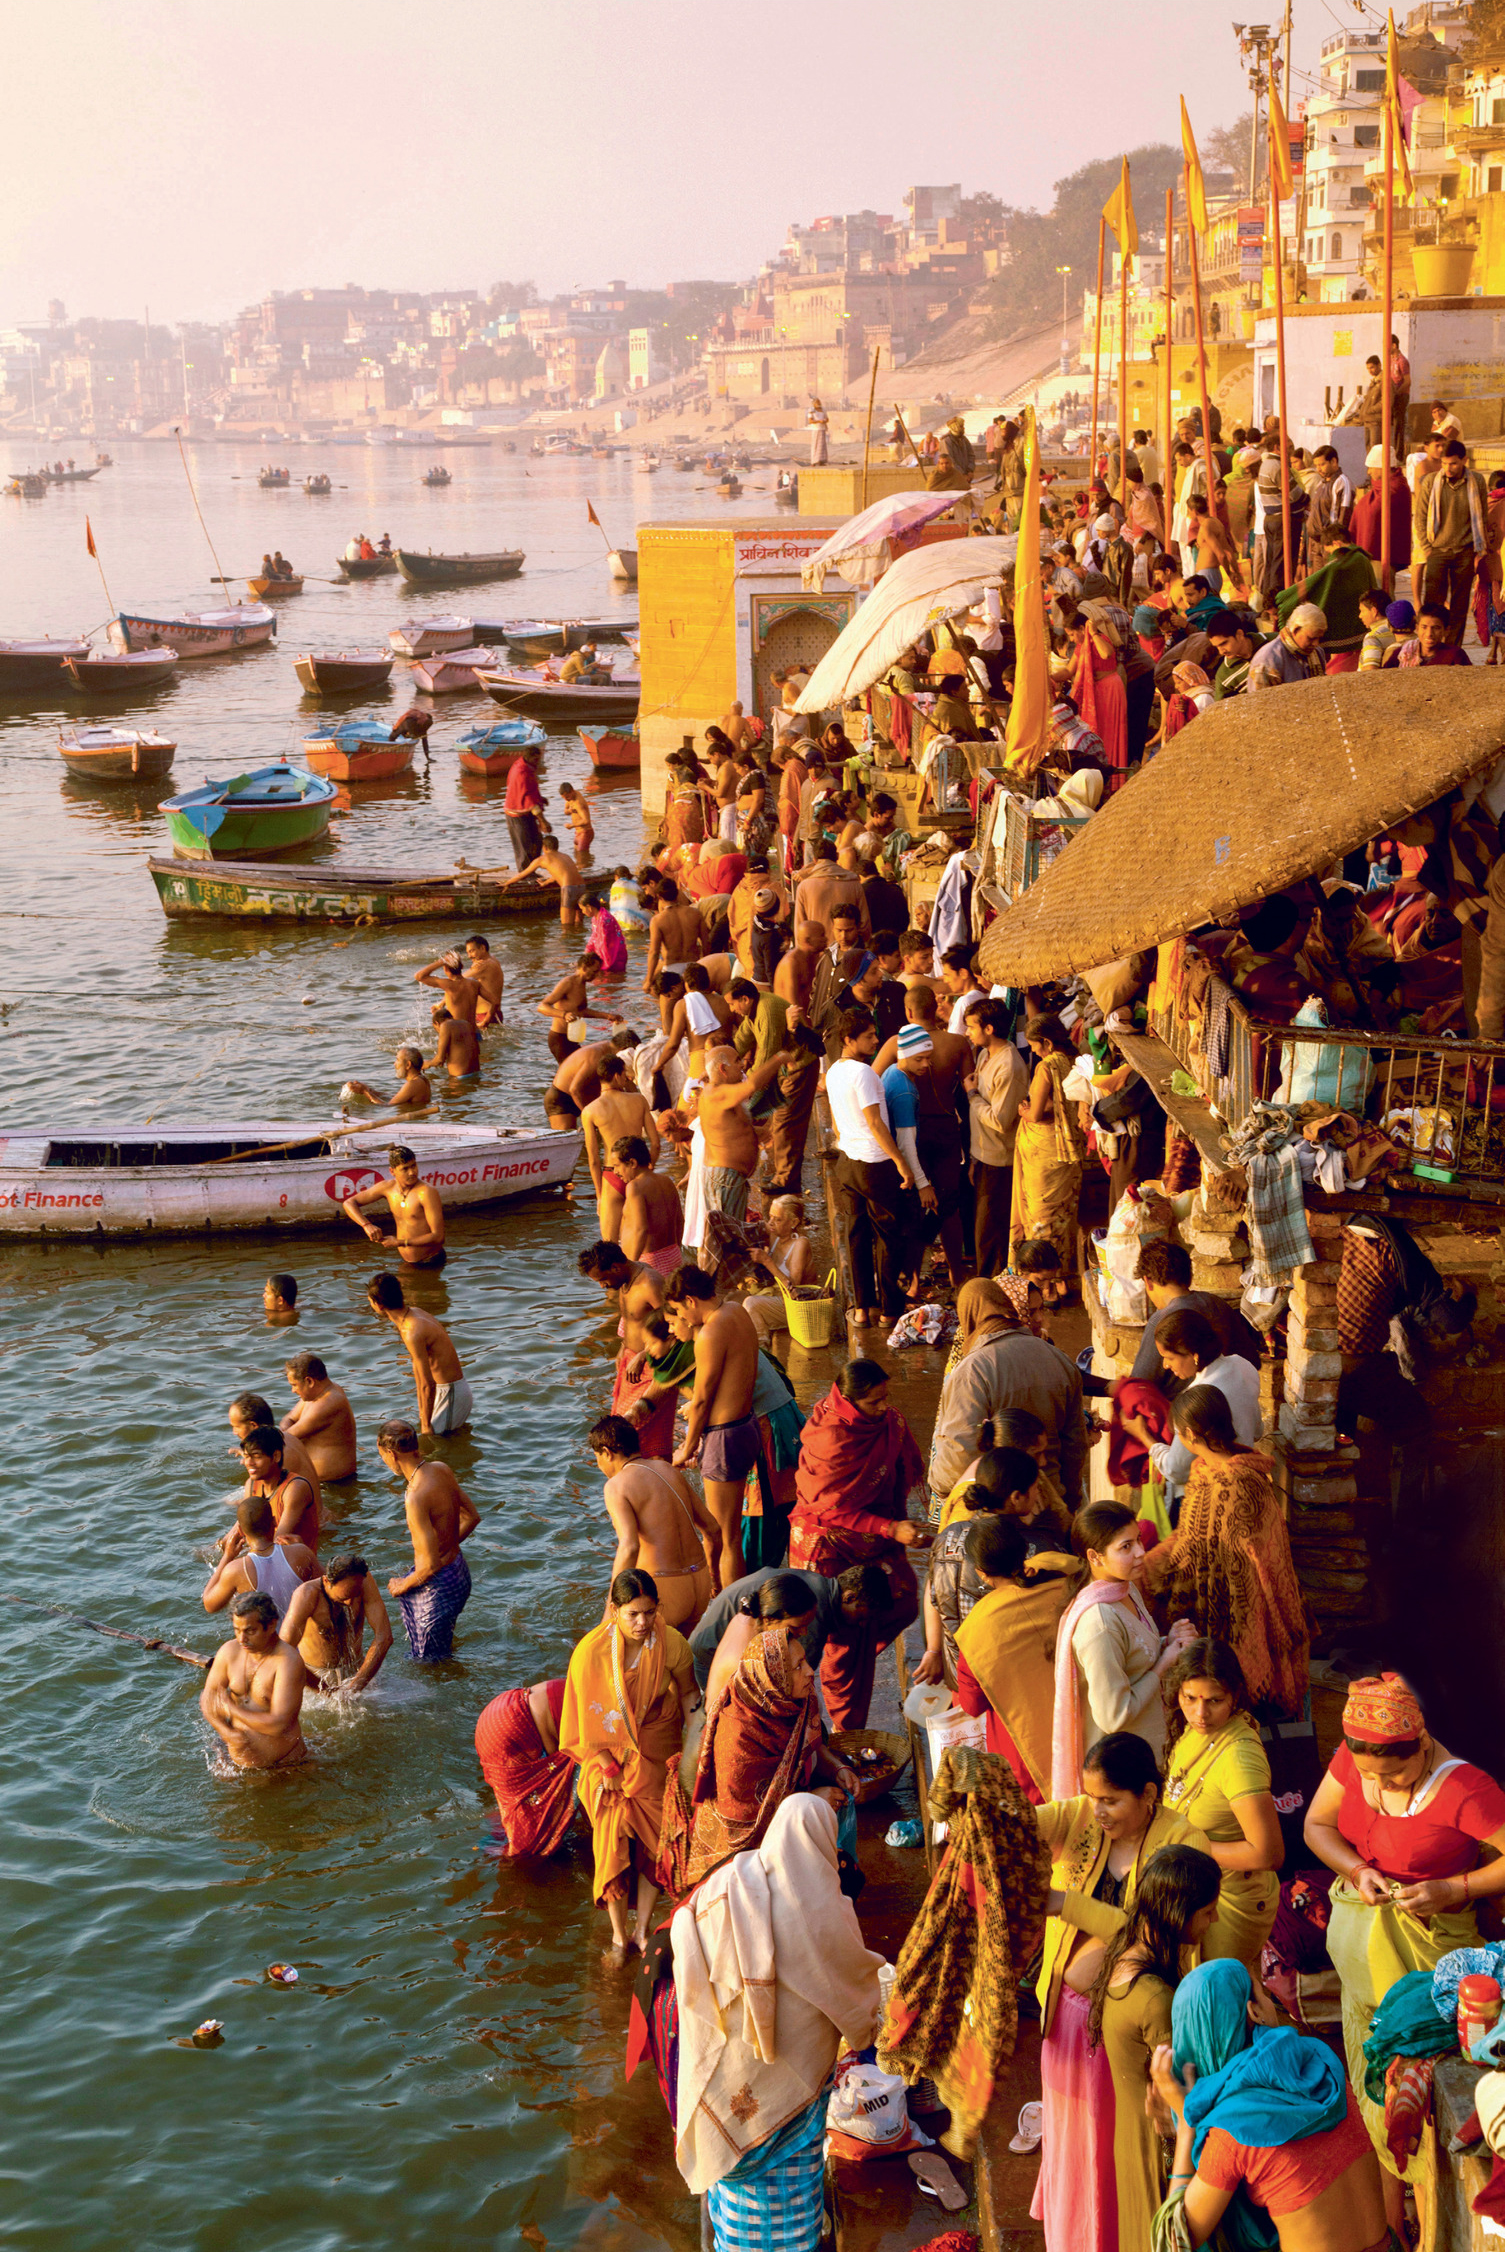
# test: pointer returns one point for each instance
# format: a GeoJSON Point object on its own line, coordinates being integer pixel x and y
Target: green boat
{"type": "Point", "coordinates": [354, 895]}
{"type": "Point", "coordinates": [273, 809]}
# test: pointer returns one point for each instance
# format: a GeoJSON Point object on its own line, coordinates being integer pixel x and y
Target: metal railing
{"type": "Point", "coordinates": [1436, 1097]}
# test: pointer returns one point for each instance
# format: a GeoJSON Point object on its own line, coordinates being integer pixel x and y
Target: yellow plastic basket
{"type": "Point", "coordinates": [810, 1309]}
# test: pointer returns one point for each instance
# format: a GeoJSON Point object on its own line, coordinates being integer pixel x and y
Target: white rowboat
{"type": "Point", "coordinates": [196, 633]}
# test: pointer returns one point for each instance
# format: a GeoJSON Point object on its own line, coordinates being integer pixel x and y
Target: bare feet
{"type": "Point", "coordinates": [615, 1955]}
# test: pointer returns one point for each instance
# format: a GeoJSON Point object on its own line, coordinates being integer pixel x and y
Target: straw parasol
{"type": "Point", "coordinates": [922, 589]}
{"type": "Point", "coordinates": [1259, 792]}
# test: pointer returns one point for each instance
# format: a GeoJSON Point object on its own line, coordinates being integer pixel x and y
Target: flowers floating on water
{"type": "Point", "coordinates": [207, 2035]}
{"type": "Point", "coordinates": [282, 1974]}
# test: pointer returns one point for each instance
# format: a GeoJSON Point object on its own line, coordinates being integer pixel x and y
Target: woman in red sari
{"type": "Point", "coordinates": [1097, 682]}
{"type": "Point", "coordinates": [858, 1465]}
{"type": "Point", "coordinates": [517, 1743]}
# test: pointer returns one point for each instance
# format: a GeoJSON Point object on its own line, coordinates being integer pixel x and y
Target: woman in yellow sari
{"type": "Point", "coordinates": [627, 1697]}
{"type": "Point", "coordinates": [1005, 1647]}
{"type": "Point", "coordinates": [1048, 1155]}
{"type": "Point", "coordinates": [1217, 1777]}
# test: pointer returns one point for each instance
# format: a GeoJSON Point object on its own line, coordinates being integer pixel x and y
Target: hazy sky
{"type": "Point", "coordinates": [193, 157]}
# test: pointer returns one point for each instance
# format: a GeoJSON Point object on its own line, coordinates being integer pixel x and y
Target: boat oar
{"type": "Point", "coordinates": [116, 1633]}
{"type": "Point", "coordinates": [272, 1149]}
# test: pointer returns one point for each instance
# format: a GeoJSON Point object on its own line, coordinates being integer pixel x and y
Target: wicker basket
{"type": "Point", "coordinates": [893, 1747]}
{"type": "Point", "coordinates": [810, 1310]}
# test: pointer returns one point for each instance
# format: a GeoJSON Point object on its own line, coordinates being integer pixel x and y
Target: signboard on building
{"type": "Point", "coordinates": [775, 555]}
{"type": "Point", "coordinates": [1251, 241]}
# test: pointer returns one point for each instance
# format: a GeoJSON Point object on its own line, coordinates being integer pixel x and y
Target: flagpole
{"type": "Point", "coordinates": [1123, 376]}
{"type": "Point", "coordinates": [1097, 347]}
{"type": "Point", "coordinates": [1196, 301]}
{"type": "Point", "coordinates": [94, 551]}
{"type": "Point", "coordinates": [1167, 462]}
{"type": "Point", "coordinates": [1280, 375]}
{"type": "Point", "coordinates": [1387, 434]}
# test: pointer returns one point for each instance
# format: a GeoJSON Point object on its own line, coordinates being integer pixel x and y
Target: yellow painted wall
{"type": "Point", "coordinates": [687, 621]}
{"type": "Point", "coordinates": [836, 489]}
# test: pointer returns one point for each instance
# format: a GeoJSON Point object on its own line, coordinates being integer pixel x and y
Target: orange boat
{"type": "Point", "coordinates": [609, 749]}
{"type": "Point", "coordinates": [359, 752]}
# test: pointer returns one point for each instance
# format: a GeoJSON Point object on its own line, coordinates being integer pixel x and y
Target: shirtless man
{"type": "Point", "coordinates": [721, 1429]}
{"type": "Point", "coordinates": [552, 861]}
{"type": "Point", "coordinates": [461, 993]}
{"type": "Point", "coordinates": [578, 1078]}
{"type": "Point", "coordinates": [695, 1012]}
{"type": "Point", "coordinates": [260, 1563]}
{"type": "Point", "coordinates": [294, 1499]}
{"type": "Point", "coordinates": [413, 1090]}
{"type": "Point", "coordinates": [457, 1046]}
{"type": "Point", "coordinates": [634, 1292]}
{"type": "Point", "coordinates": [483, 969]}
{"type": "Point", "coordinates": [674, 934]}
{"type": "Point", "coordinates": [249, 1412]}
{"type": "Point", "coordinates": [279, 1295]}
{"type": "Point", "coordinates": [415, 1208]}
{"type": "Point", "coordinates": [1217, 557]}
{"type": "Point", "coordinates": [728, 781]}
{"type": "Point", "coordinates": [918, 956]}
{"type": "Point", "coordinates": [795, 974]}
{"type": "Point", "coordinates": [952, 1054]}
{"type": "Point", "coordinates": [323, 1418]}
{"type": "Point", "coordinates": [254, 1691]}
{"type": "Point", "coordinates": [445, 1400]}
{"type": "Point", "coordinates": [440, 1516]}
{"type": "Point", "coordinates": [568, 1000]}
{"type": "Point", "coordinates": [661, 1522]}
{"type": "Point", "coordinates": [653, 1221]}
{"type": "Point", "coordinates": [617, 1112]}
{"type": "Point", "coordinates": [734, 727]}
{"type": "Point", "coordinates": [731, 1139]}
{"type": "Point", "coordinates": [326, 1623]}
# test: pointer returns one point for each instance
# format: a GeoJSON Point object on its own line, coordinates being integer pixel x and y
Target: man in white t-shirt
{"type": "Point", "coordinates": [873, 1184]}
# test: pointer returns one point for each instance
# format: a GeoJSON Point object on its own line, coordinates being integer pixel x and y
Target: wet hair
{"type": "Point", "coordinates": [253, 1514]}
{"type": "Point", "coordinates": [613, 1434]}
{"type": "Point", "coordinates": [266, 1439]}
{"type": "Point", "coordinates": [254, 1605]}
{"type": "Point", "coordinates": [1202, 1412]}
{"type": "Point", "coordinates": [1006, 1470]}
{"type": "Point", "coordinates": [867, 1580]}
{"type": "Point", "coordinates": [1184, 1330]}
{"type": "Point", "coordinates": [689, 1282]}
{"type": "Point", "coordinates": [400, 1154]}
{"type": "Point", "coordinates": [1039, 1259]}
{"type": "Point", "coordinates": [634, 1149]}
{"type": "Point", "coordinates": [600, 1261]}
{"type": "Point", "coordinates": [1206, 1659]}
{"type": "Point", "coordinates": [477, 940]}
{"type": "Point", "coordinates": [409, 1059]}
{"type": "Point", "coordinates": [785, 1596]}
{"type": "Point", "coordinates": [611, 1067]}
{"type": "Point", "coordinates": [1099, 1524]}
{"type": "Point", "coordinates": [858, 1378]}
{"type": "Point", "coordinates": [399, 1435]}
{"type": "Point", "coordinates": [668, 891]}
{"type": "Point", "coordinates": [307, 1366]}
{"type": "Point", "coordinates": [881, 802]}
{"type": "Point", "coordinates": [286, 1287]}
{"type": "Point", "coordinates": [852, 1024]}
{"type": "Point", "coordinates": [628, 1587]}
{"type": "Point", "coordinates": [1125, 1762]}
{"type": "Point", "coordinates": [385, 1290]}
{"type": "Point", "coordinates": [344, 1568]}
{"type": "Point", "coordinates": [1165, 1263]}
{"type": "Point", "coordinates": [252, 1404]}
{"type": "Point", "coordinates": [996, 1547]}
{"type": "Point", "coordinates": [697, 979]}
{"type": "Point", "coordinates": [1174, 1885]}
{"type": "Point", "coordinates": [667, 982]}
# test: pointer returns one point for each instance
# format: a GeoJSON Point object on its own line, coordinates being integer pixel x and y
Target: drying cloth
{"type": "Point", "coordinates": [1215, 1037]}
{"type": "Point", "coordinates": [951, 916]}
{"type": "Point", "coordinates": [1278, 1238]}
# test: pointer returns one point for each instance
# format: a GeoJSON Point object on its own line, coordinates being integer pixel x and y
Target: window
{"type": "Point", "coordinates": [1337, 250]}
{"type": "Point", "coordinates": [1369, 81]}
{"type": "Point", "coordinates": [1447, 186]}
{"type": "Point", "coordinates": [1497, 111]}
{"type": "Point", "coordinates": [1495, 177]}
{"type": "Point", "coordinates": [1366, 136]}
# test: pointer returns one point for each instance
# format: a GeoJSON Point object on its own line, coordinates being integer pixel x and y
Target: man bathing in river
{"type": "Point", "coordinates": [440, 1516]}
{"type": "Point", "coordinates": [462, 995]}
{"type": "Point", "coordinates": [567, 1001]}
{"type": "Point", "coordinates": [326, 1622]}
{"type": "Point", "coordinates": [445, 1400]}
{"type": "Point", "coordinates": [636, 1291]}
{"type": "Point", "coordinates": [279, 1295]}
{"type": "Point", "coordinates": [485, 971]}
{"type": "Point", "coordinates": [553, 862]}
{"type": "Point", "coordinates": [457, 1046]}
{"type": "Point", "coordinates": [323, 1418]}
{"type": "Point", "coordinates": [413, 1090]}
{"type": "Point", "coordinates": [294, 1499]}
{"type": "Point", "coordinates": [653, 1221]}
{"type": "Point", "coordinates": [721, 1428]}
{"type": "Point", "coordinates": [262, 1563]}
{"type": "Point", "coordinates": [660, 1520]}
{"type": "Point", "coordinates": [249, 1412]}
{"type": "Point", "coordinates": [619, 1110]}
{"type": "Point", "coordinates": [415, 1207]}
{"type": "Point", "coordinates": [731, 1140]}
{"type": "Point", "coordinates": [254, 1690]}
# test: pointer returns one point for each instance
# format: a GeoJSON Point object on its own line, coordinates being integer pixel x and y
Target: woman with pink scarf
{"type": "Point", "coordinates": [1110, 1655]}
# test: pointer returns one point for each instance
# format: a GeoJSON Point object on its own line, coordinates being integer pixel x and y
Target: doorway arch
{"type": "Point", "coordinates": [796, 633]}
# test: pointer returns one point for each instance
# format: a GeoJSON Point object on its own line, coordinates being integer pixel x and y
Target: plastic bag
{"type": "Point", "coordinates": [1328, 1074]}
{"type": "Point", "coordinates": [953, 1729]}
{"type": "Point", "coordinates": [868, 2106]}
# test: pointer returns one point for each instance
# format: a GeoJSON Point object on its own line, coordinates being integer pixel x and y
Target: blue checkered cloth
{"type": "Point", "coordinates": [773, 2201]}
{"type": "Point", "coordinates": [430, 1612]}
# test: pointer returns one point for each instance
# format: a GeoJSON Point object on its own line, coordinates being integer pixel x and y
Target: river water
{"type": "Point", "coordinates": [448, 2069]}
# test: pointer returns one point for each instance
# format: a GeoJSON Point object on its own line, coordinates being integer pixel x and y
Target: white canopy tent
{"type": "Point", "coordinates": [922, 589]}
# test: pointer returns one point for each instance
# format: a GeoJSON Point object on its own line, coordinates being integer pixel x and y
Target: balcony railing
{"type": "Point", "coordinates": [1442, 1099]}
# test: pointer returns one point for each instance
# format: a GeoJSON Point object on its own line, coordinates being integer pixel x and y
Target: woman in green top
{"type": "Point", "coordinates": [1217, 1778]}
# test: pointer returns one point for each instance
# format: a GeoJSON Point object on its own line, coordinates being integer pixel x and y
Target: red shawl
{"type": "Point", "coordinates": [1128, 1459]}
{"type": "Point", "coordinates": [535, 1789]}
{"type": "Point", "coordinates": [759, 1745]}
{"type": "Point", "coordinates": [855, 1475]}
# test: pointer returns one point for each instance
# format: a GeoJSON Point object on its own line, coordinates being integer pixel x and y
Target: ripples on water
{"type": "Point", "coordinates": [438, 2073]}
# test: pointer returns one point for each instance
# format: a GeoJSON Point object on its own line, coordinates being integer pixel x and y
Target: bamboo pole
{"type": "Point", "coordinates": [1166, 455]}
{"type": "Point", "coordinates": [1196, 306]}
{"type": "Point", "coordinates": [1387, 315]}
{"type": "Point", "coordinates": [1123, 379]}
{"type": "Point", "coordinates": [1280, 379]}
{"type": "Point", "coordinates": [198, 512]}
{"type": "Point", "coordinates": [1097, 351]}
{"type": "Point", "coordinates": [867, 442]}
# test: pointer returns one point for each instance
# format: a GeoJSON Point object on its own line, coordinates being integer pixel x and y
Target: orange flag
{"type": "Point", "coordinates": [89, 539]}
{"type": "Point", "coordinates": [1395, 115]}
{"type": "Point", "coordinates": [595, 519]}
{"type": "Point", "coordinates": [1282, 177]}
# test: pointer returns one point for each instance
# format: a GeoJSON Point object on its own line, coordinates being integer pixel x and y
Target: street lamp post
{"type": "Point", "coordinates": [1065, 274]}
{"type": "Point", "coordinates": [1256, 45]}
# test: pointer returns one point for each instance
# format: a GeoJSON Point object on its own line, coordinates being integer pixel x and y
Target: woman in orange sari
{"type": "Point", "coordinates": [1048, 1153]}
{"type": "Point", "coordinates": [627, 1696]}
{"type": "Point", "coordinates": [1229, 1565]}
{"type": "Point", "coordinates": [1098, 687]}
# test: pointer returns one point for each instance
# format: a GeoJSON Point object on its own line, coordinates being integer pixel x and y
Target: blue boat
{"type": "Point", "coordinates": [491, 750]}
{"type": "Point", "coordinates": [272, 809]}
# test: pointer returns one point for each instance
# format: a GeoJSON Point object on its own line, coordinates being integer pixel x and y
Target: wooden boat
{"type": "Point", "coordinates": [647, 465]}
{"type": "Point", "coordinates": [29, 664]}
{"type": "Point", "coordinates": [261, 588]}
{"type": "Point", "coordinates": [317, 484]}
{"type": "Point", "coordinates": [196, 633]}
{"type": "Point", "coordinates": [787, 496]}
{"type": "Point", "coordinates": [492, 750]}
{"type": "Point", "coordinates": [272, 809]}
{"type": "Point", "coordinates": [622, 562]}
{"type": "Point", "coordinates": [127, 1179]}
{"type": "Point", "coordinates": [536, 690]}
{"type": "Point", "coordinates": [448, 672]}
{"type": "Point", "coordinates": [270, 479]}
{"type": "Point", "coordinates": [108, 672]}
{"type": "Point", "coordinates": [730, 488]}
{"type": "Point", "coordinates": [27, 486]}
{"type": "Point", "coordinates": [423, 637]}
{"type": "Point", "coordinates": [458, 570]}
{"type": "Point", "coordinates": [367, 567]}
{"type": "Point", "coordinates": [71, 476]}
{"type": "Point", "coordinates": [438, 477]}
{"type": "Point", "coordinates": [343, 672]}
{"type": "Point", "coordinates": [359, 750]}
{"type": "Point", "coordinates": [611, 750]}
{"type": "Point", "coordinates": [115, 754]}
{"type": "Point", "coordinates": [547, 637]}
{"type": "Point", "coordinates": [264, 892]}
